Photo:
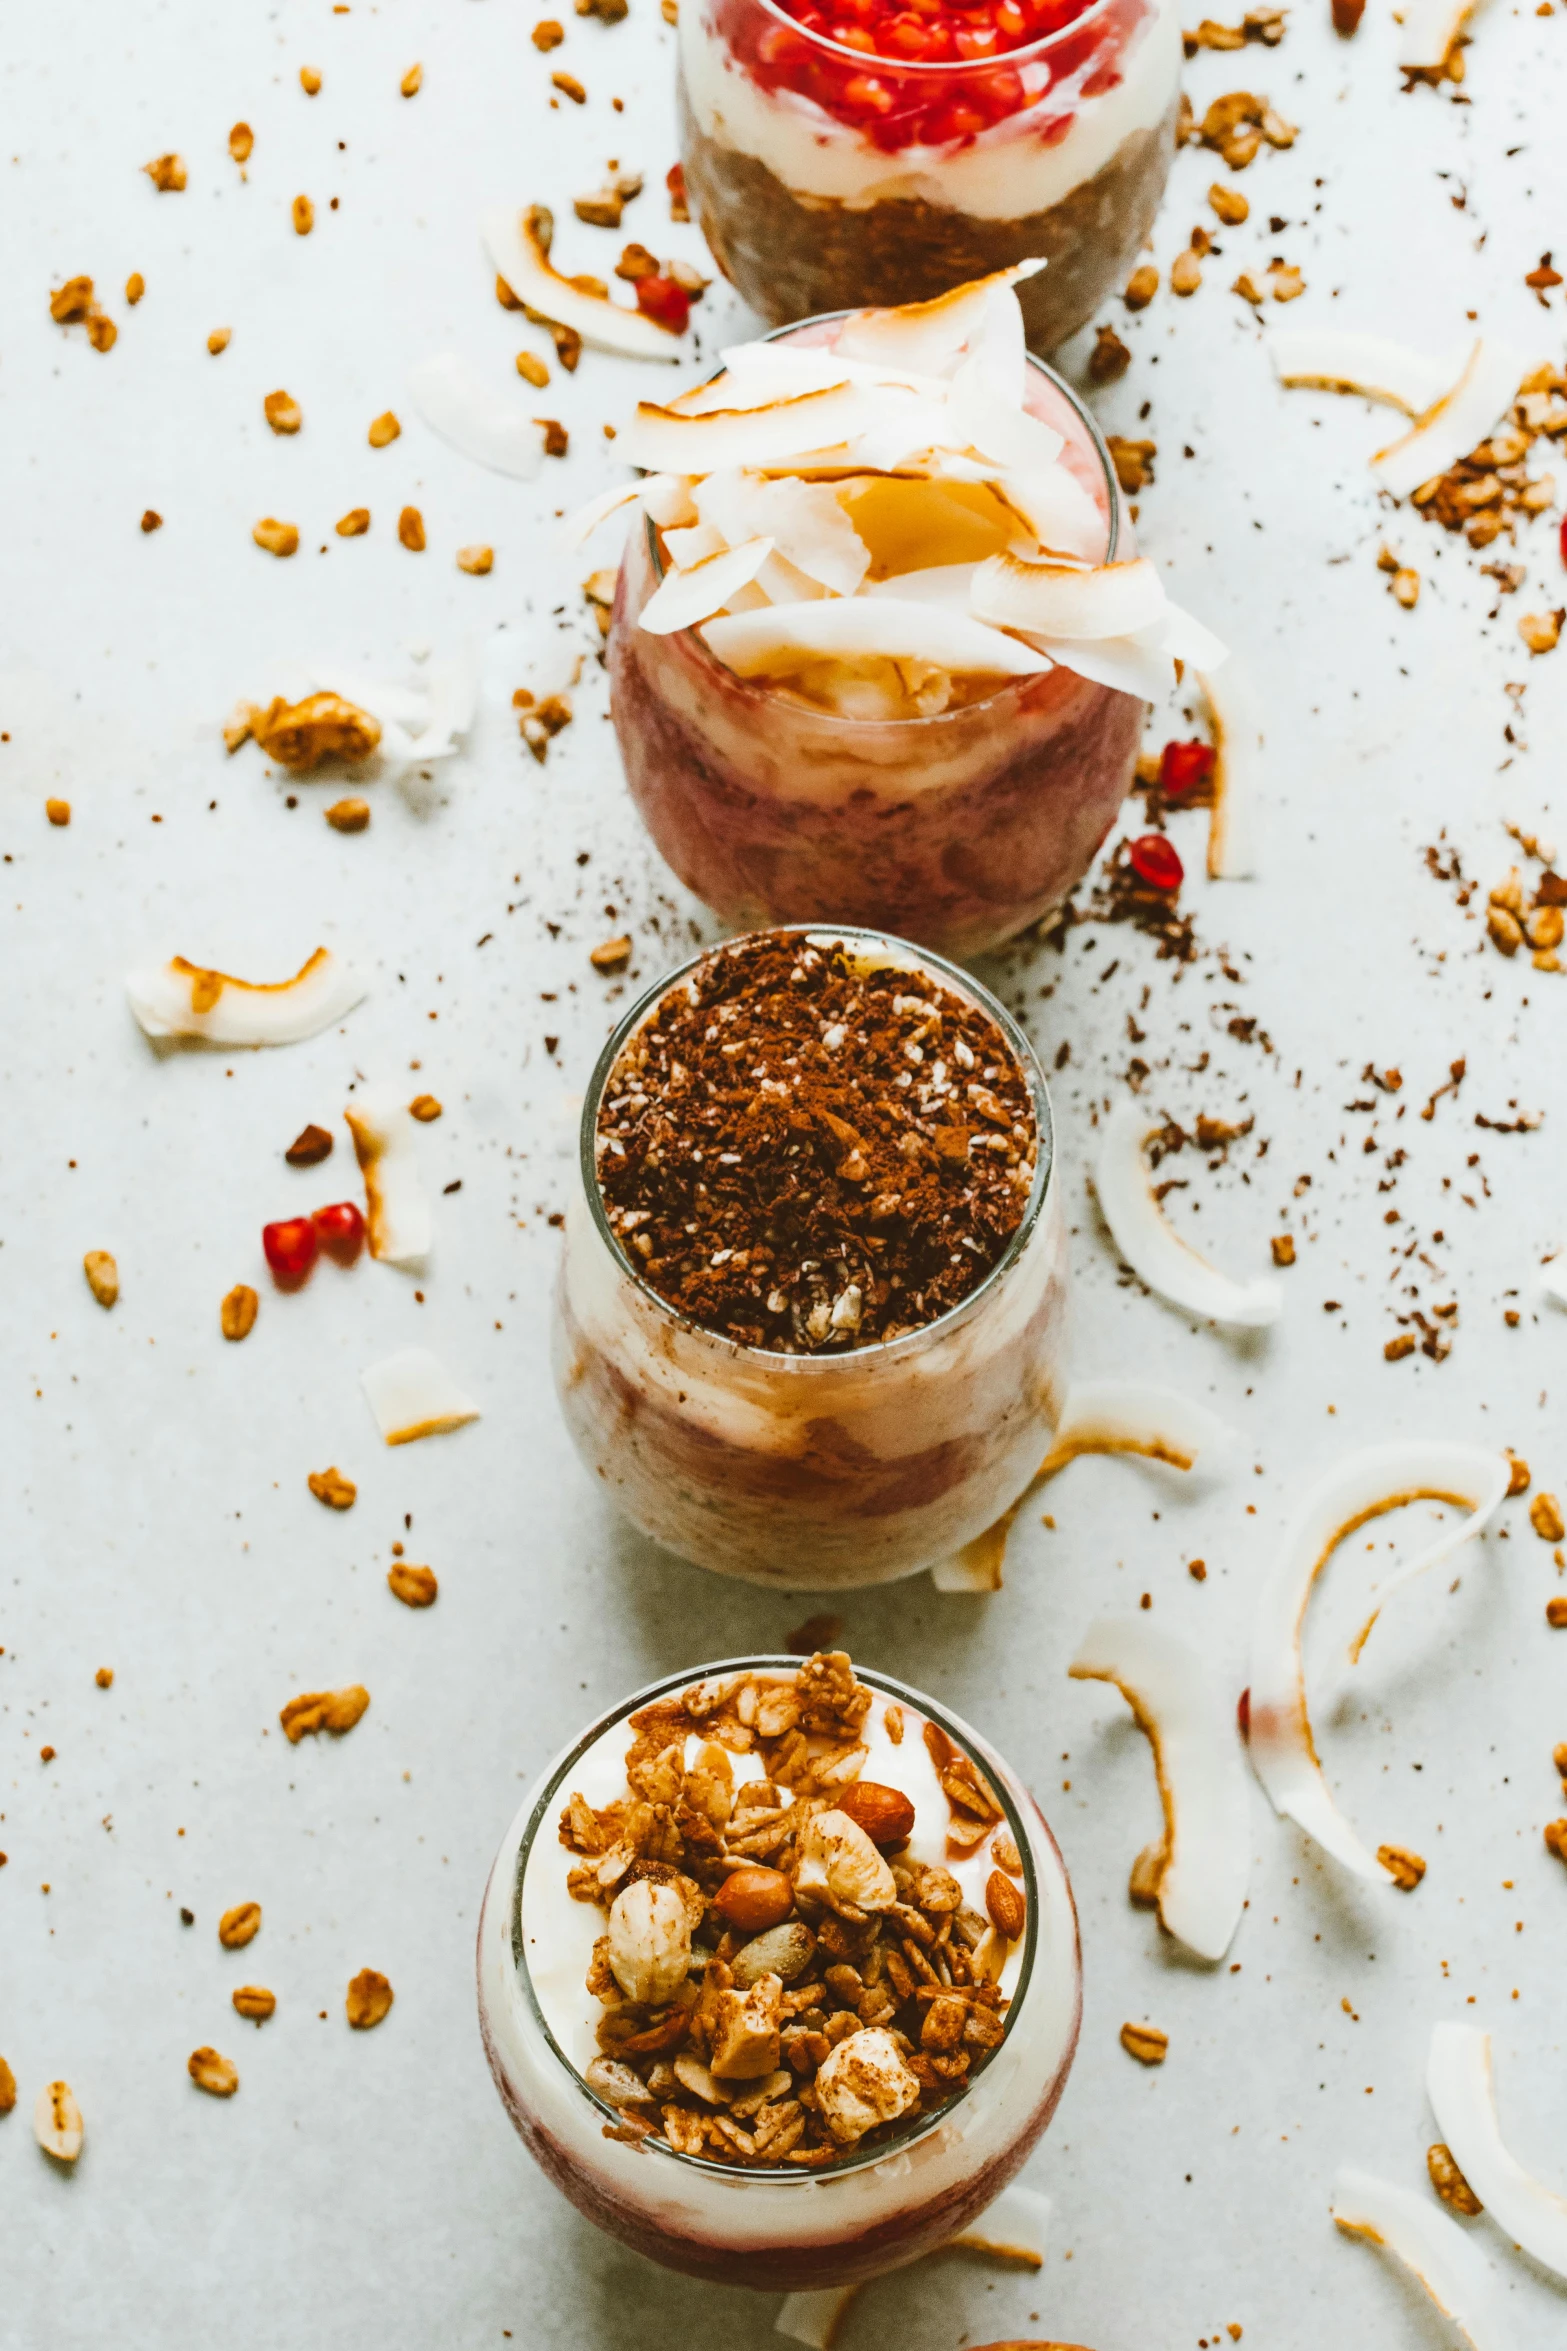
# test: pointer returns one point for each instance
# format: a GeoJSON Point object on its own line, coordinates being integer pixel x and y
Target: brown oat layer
{"type": "Point", "coordinates": [803, 1154]}
{"type": "Point", "coordinates": [781, 1985]}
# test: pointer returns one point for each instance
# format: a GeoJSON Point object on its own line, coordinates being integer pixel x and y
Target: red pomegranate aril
{"type": "Point", "coordinates": [1183, 766]}
{"type": "Point", "coordinates": [1564, 538]}
{"type": "Point", "coordinates": [1243, 1713]}
{"type": "Point", "coordinates": [291, 1248]}
{"type": "Point", "coordinates": [1154, 860]}
{"type": "Point", "coordinates": [340, 1230]}
{"type": "Point", "coordinates": [666, 303]}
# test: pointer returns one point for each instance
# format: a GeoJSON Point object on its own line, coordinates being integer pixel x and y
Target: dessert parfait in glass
{"type": "Point", "coordinates": [810, 1325]}
{"type": "Point", "coordinates": [840, 152]}
{"type": "Point", "coordinates": [881, 638]}
{"type": "Point", "coordinates": [779, 1974]}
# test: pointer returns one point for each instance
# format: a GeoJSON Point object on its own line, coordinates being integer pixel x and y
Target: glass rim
{"type": "Point", "coordinates": [824, 933]}
{"type": "Point", "coordinates": [903, 1693]}
{"type": "Point", "coordinates": [872, 61]}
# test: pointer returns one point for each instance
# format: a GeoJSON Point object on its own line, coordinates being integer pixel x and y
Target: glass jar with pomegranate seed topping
{"type": "Point", "coordinates": [849, 152]}
{"type": "Point", "coordinates": [710, 2168]}
{"type": "Point", "coordinates": [958, 830]}
{"type": "Point", "coordinates": [811, 1317]}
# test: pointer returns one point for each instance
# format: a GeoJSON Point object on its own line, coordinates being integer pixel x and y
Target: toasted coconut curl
{"type": "Point", "coordinates": [1435, 2250]}
{"type": "Point", "coordinates": [184, 999]}
{"type": "Point", "coordinates": [1454, 424]}
{"type": "Point", "coordinates": [518, 244]}
{"type": "Point", "coordinates": [1237, 767]}
{"type": "Point", "coordinates": [1338, 359]}
{"type": "Point", "coordinates": [1189, 1724]}
{"type": "Point", "coordinates": [299, 735]}
{"type": "Point", "coordinates": [1149, 1242]}
{"type": "Point", "coordinates": [1014, 2229]}
{"type": "Point", "coordinates": [397, 1210]}
{"type": "Point", "coordinates": [456, 402]}
{"type": "Point", "coordinates": [1365, 1486]}
{"type": "Point", "coordinates": [1462, 2091]}
{"type": "Point", "coordinates": [412, 1395]}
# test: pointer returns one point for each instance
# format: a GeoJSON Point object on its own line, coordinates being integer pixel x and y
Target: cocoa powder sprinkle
{"type": "Point", "coordinates": [808, 1155]}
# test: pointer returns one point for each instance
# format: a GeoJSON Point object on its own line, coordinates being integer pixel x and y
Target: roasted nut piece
{"type": "Point", "coordinates": [1004, 1853]}
{"type": "Point", "coordinates": [785, 1952]}
{"type": "Point", "coordinates": [424, 1107]}
{"type": "Point", "coordinates": [304, 216]}
{"type": "Point", "coordinates": [610, 954]}
{"type": "Point", "coordinates": [369, 1999]}
{"type": "Point", "coordinates": [239, 1926]}
{"type": "Point", "coordinates": [649, 1941]}
{"type": "Point", "coordinates": [616, 2083]}
{"type": "Point", "coordinates": [57, 2122]}
{"type": "Point", "coordinates": [1544, 1511]}
{"type": "Point", "coordinates": [299, 735]}
{"type": "Point", "coordinates": [167, 174]}
{"type": "Point", "coordinates": [349, 816]}
{"type": "Point", "coordinates": [410, 530]}
{"type": "Point", "coordinates": [1449, 2182]}
{"type": "Point", "coordinates": [218, 2076]}
{"type": "Point", "coordinates": [278, 538]}
{"type": "Point", "coordinates": [1142, 1887]}
{"type": "Point", "coordinates": [1186, 272]}
{"type": "Point", "coordinates": [1556, 1613]}
{"type": "Point", "coordinates": [1540, 631]}
{"type": "Point", "coordinates": [753, 1898]}
{"type": "Point", "coordinates": [863, 2082]}
{"type": "Point", "coordinates": [323, 1710]}
{"type": "Point", "coordinates": [282, 412]}
{"type": "Point", "coordinates": [1405, 1868]}
{"type": "Point", "coordinates": [58, 811]}
{"type": "Point", "coordinates": [310, 80]}
{"type": "Point", "coordinates": [885, 1814]}
{"type": "Point", "coordinates": [1141, 287]}
{"type": "Point", "coordinates": [71, 303]}
{"type": "Point", "coordinates": [1004, 1901]}
{"type": "Point", "coordinates": [254, 2001]}
{"type": "Point", "coordinates": [1146, 2043]}
{"type": "Point", "coordinates": [331, 1487]}
{"type": "Point", "coordinates": [7, 2087]}
{"type": "Point", "coordinates": [241, 141]}
{"type": "Point", "coordinates": [103, 1276]}
{"type": "Point", "coordinates": [237, 1314]}
{"type": "Point", "coordinates": [1283, 1246]}
{"type": "Point", "coordinates": [745, 2039]}
{"type": "Point", "coordinates": [416, 1587]}
{"type": "Point", "coordinates": [532, 371]}
{"type": "Point", "coordinates": [839, 1864]}
{"type": "Point", "coordinates": [1556, 1838]}
{"type": "Point", "coordinates": [219, 340]}
{"type": "Point", "coordinates": [412, 82]}
{"type": "Point", "coordinates": [353, 524]}
{"type": "Point", "coordinates": [1230, 205]}
{"type": "Point", "coordinates": [476, 561]}
{"type": "Point", "coordinates": [310, 1146]}
{"type": "Point", "coordinates": [384, 429]}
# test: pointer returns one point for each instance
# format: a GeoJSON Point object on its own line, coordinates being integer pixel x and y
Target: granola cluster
{"type": "Point", "coordinates": [1487, 493]}
{"type": "Point", "coordinates": [781, 1983]}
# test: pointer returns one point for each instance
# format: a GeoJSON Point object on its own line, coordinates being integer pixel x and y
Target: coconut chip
{"type": "Point", "coordinates": [777, 640]}
{"type": "Point", "coordinates": [1462, 2091]}
{"type": "Point", "coordinates": [1150, 1244]}
{"type": "Point", "coordinates": [181, 999]}
{"type": "Point", "coordinates": [1190, 1725]}
{"type": "Point", "coordinates": [928, 335]}
{"type": "Point", "coordinates": [456, 402]}
{"type": "Point", "coordinates": [668, 440]}
{"type": "Point", "coordinates": [1364, 1486]}
{"type": "Point", "coordinates": [1138, 1416]}
{"type": "Point", "coordinates": [1338, 359]}
{"type": "Point", "coordinates": [511, 239]}
{"type": "Point", "coordinates": [397, 1208]}
{"type": "Point", "coordinates": [704, 588]}
{"type": "Point", "coordinates": [1060, 600]}
{"type": "Point", "coordinates": [1434, 2249]}
{"type": "Point", "coordinates": [1430, 27]}
{"type": "Point", "coordinates": [1237, 765]}
{"type": "Point", "coordinates": [977, 1566]}
{"type": "Point", "coordinates": [1454, 424]}
{"type": "Point", "coordinates": [1015, 2228]}
{"type": "Point", "coordinates": [411, 1395]}
{"type": "Point", "coordinates": [815, 2318]}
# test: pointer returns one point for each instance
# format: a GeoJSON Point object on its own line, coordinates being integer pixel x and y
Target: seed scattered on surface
{"type": "Point", "coordinates": [58, 811]}
{"type": "Point", "coordinates": [104, 1677]}
{"type": "Point", "coordinates": [476, 560]}
{"type": "Point", "coordinates": [412, 81]}
{"type": "Point", "coordinates": [304, 216]}
{"type": "Point", "coordinates": [135, 287]}
{"type": "Point", "coordinates": [167, 174]}
{"type": "Point", "coordinates": [332, 1488]}
{"type": "Point", "coordinates": [424, 1107]}
{"type": "Point", "coordinates": [1141, 287]}
{"type": "Point", "coordinates": [355, 523]}
{"type": "Point", "coordinates": [219, 340]}
{"type": "Point", "coordinates": [1405, 1868]}
{"type": "Point", "coordinates": [218, 2076]}
{"type": "Point", "coordinates": [1449, 2182]}
{"type": "Point", "coordinates": [309, 80]}
{"type": "Point", "coordinates": [384, 429]}
{"type": "Point", "coordinates": [282, 412]}
{"type": "Point", "coordinates": [1146, 2043]}
{"type": "Point", "coordinates": [278, 538]}
{"type": "Point", "coordinates": [369, 1999]}
{"type": "Point", "coordinates": [239, 1926]}
{"type": "Point", "coordinates": [532, 371]}
{"type": "Point", "coordinates": [57, 2122]}
{"type": "Point", "coordinates": [1546, 1518]}
{"type": "Point", "coordinates": [416, 1587]}
{"type": "Point", "coordinates": [410, 530]}
{"type": "Point", "coordinates": [348, 816]}
{"type": "Point", "coordinates": [323, 1710]}
{"type": "Point", "coordinates": [241, 141]}
{"type": "Point", "coordinates": [610, 954]}
{"type": "Point", "coordinates": [254, 2001]}
{"type": "Point", "coordinates": [103, 1276]}
{"type": "Point", "coordinates": [7, 2087]}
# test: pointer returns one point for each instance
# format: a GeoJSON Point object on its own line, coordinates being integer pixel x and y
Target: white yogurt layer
{"type": "Point", "coordinates": [559, 1933]}
{"type": "Point", "coordinates": [1007, 173]}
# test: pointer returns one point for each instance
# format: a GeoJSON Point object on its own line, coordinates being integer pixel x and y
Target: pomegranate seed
{"type": "Point", "coordinates": [291, 1249]}
{"type": "Point", "coordinates": [1155, 861]}
{"type": "Point", "coordinates": [1243, 1713]}
{"type": "Point", "coordinates": [667, 304]}
{"type": "Point", "coordinates": [340, 1230]}
{"type": "Point", "coordinates": [1183, 766]}
{"type": "Point", "coordinates": [1564, 538]}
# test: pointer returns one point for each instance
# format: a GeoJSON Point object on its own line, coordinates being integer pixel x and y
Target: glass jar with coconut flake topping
{"type": "Point", "coordinates": [842, 152]}
{"type": "Point", "coordinates": [778, 1973]}
{"type": "Point", "coordinates": [811, 1318]}
{"type": "Point", "coordinates": [881, 639]}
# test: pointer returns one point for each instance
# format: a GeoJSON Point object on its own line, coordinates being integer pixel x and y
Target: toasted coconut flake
{"type": "Point", "coordinates": [1434, 2249]}
{"type": "Point", "coordinates": [1454, 424]}
{"type": "Point", "coordinates": [1430, 28]}
{"type": "Point", "coordinates": [1015, 2228]}
{"type": "Point", "coordinates": [1237, 767]}
{"type": "Point", "coordinates": [1124, 664]}
{"type": "Point", "coordinates": [1058, 510]}
{"type": "Point", "coordinates": [1462, 2092]}
{"type": "Point", "coordinates": [1365, 1485]}
{"type": "Point", "coordinates": [578, 528]}
{"type": "Point", "coordinates": [667, 440]}
{"type": "Point", "coordinates": [1338, 359]}
{"type": "Point", "coordinates": [977, 1567]}
{"type": "Point", "coordinates": [815, 2318]}
{"type": "Point", "coordinates": [775, 642]}
{"type": "Point", "coordinates": [685, 597]}
{"type": "Point", "coordinates": [1061, 600]}
{"type": "Point", "coordinates": [522, 261]}
{"type": "Point", "coordinates": [180, 999]}
{"type": "Point", "coordinates": [928, 336]}
{"type": "Point", "coordinates": [804, 520]}
{"type": "Point", "coordinates": [411, 1395]}
{"type": "Point", "coordinates": [456, 402]}
{"type": "Point", "coordinates": [397, 1208]}
{"type": "Point", "coordinates": [1138, 1416]}
{"type": "Point", "coordinates": [1151, 1245]}
{"type": "Point", "coordinates": [1190, 1725]}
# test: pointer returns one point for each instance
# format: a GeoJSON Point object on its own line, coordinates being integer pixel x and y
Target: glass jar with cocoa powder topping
{"type": "Point", "coordinates": [810, 1323]}
{"type": "Point", "coordinates": [845, 152]}
{"type": "Point", "coordinates": [651, 2018]}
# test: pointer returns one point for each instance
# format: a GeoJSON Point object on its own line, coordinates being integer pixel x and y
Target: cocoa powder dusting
{"type": "Point", "coordinates": [805, 1155]}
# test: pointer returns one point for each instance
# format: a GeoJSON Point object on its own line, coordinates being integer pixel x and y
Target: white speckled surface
{"type": "Point", "coordinates": [156, 1517]}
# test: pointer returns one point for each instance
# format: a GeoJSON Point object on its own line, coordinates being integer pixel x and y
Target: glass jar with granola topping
{"type": "Point", "coordinates": [811, 1316]}
{"type": "Point", "coordinates": [778, 1973]}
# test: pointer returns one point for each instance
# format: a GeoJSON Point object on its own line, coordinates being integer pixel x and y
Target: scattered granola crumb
{"type": "Point", "coordinates": [7, 2088]}
{"type": "Point", "coordinates": [1186, 272]}
{"type": "Point", "coordinates": [532, 371]}
{"type": "Point", "coordinates": [323, 1710]}
{"type": "Point", "coordinates": [300, 735]}
{"type": "Point", "coordinates": [611, 955]}
{"type": "Point", "coordinates": [569, 87]}
{"type": "Point", "coordinates": [1406, 1868]}
{"type": "Point", "coordinates": [410, 530]}
{"type": "Point", "coordinates": [103, 1276]}
{"type": "Point", "coordinates": [237, 1314]}
{"type": "Point", "coordinates": [425, 1108]}
{"type": "Point", "coordinates": [218, 2076]}
{"type": "Point", "coordinates": [1546, 1519]}
{"type": "Point", "coordinates": [58, 811]}
{"type": "Point", "coordinates": [239, 1926]}
{"type": "Point", "coordinates": [219, 340]}
{"type": "Point", "coordinates": [1284, 281]}
{"type": "Point", "coordinates": [1230, 205]}
{"type": "Point", "coordinates": [254, 2001]}
{"type": "Point", "coordinates": [1397, 1349]}
{"type": "Point", "coordinates": [242, 140]}
{"type": "Point", "coordinates": [412, 82]}
{"type": "Point", "coordinates": [309, 80]}
{"type": "Point", "coordinates": [167, 174]}
{"type": "Point", "coordinates": [416, 1587]}
{"type": "Point", "coordinates": [548, 33]}
{"type": "Point", "coordinates": [353, 524]}
{"type": "Point", "coordinates": [303, 213]}
{"type": "Point", "coordinates": [1283, 1245]}
{"type": "Point", "coordinates": [369, 2000]}
{"type": "Point", "coordinates": [1141, 286]}
{"type": "Point", "coordinates": [1556, 1613]}
{"type": "Point", "coordinates": [349, 816]}
{"type": "Point", "coordinates": [384, 429]}
{"type": "Point", "coordinates": [151, 521]}
{"type": "Point", "coordinates": [104, 1677]}
{"type": "Point", "coordinates": [332, 1489]}
{"type": "Point", "coordinates": [135, 287]}
{"type": "Point", "coordinates": [1518, 1474]}
{"type": "Point", "coordinates": [278, 538]}
{"type": "Point", "coordinates": [1248, 290]}
{"type": "Point", "coordinates": [1133, 461]}
{"type": "Point", "coordinates": [556, 439]}
{"type": "Point", "coordinates": [1146, 2043]}
{"type": "Point", "coordinates": [476, 560]}
{"type": "Point", "coordinates": [1109, 359]}
{"type": "Point", "coordinates": [282, 412]}
{"type": "Point", "coordinates": [1541, 631]}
